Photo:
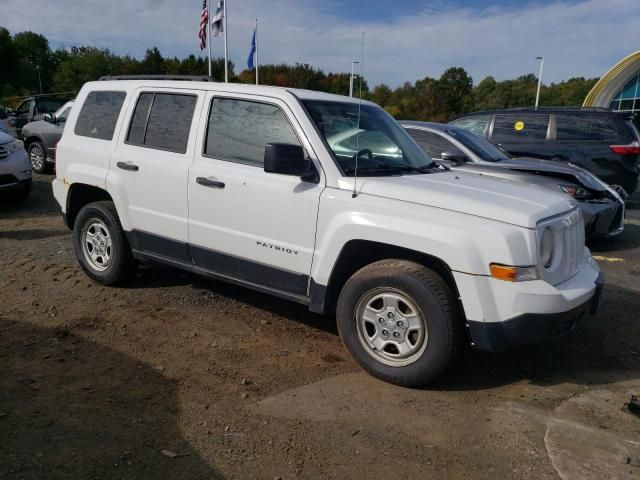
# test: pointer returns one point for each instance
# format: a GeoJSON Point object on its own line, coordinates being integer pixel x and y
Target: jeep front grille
{"type": "Point", "coordinates": [568, 230]}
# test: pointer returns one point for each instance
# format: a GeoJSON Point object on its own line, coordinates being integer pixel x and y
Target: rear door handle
{"type": "Point", "coordinates": [207, 182]}
{"type": "Point", "coordinates": [128, 166]}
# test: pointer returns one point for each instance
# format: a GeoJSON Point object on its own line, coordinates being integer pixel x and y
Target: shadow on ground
{"type": "Point", "coordinates": [39, 203]}
{"type": "Point", "coordinates": [70, 408]}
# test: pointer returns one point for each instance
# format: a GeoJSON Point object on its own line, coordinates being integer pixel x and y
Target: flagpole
{"type": "Point", "coordinates": [209, 33]}
{"type": "Point", "coordinates": [226, 52]}
{"type": "Point", "coordinates": [257, 51]}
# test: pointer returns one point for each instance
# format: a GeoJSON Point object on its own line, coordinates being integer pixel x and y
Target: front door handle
{"type": "Point", "coordinates": [128, 166]}
{"type": "Point", "coordinates": [207, 182]}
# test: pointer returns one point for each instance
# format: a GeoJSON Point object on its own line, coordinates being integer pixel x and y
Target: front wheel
{"type": "Point", "coordinates": [101, 244]}
{"type": "Point", "coordinates": [400, 321]}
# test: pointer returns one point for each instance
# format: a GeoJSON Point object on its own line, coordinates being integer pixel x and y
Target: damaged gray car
{"type": "Point", "coordinates": [603, 208]}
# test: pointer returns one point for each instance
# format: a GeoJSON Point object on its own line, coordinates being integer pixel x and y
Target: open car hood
{"type": "Point", "coordinates": [564, 170]}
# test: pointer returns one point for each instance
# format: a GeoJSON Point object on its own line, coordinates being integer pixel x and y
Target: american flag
{"type": "Point", "coordinates": [204, 23]}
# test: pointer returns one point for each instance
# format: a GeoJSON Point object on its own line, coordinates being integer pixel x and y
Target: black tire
{"type": "Point", "coordinates": [435, 301]}
{"type": "Point", "coordinates": [38, 157]}
{"type": "Point", "coordinates": [122, 266]}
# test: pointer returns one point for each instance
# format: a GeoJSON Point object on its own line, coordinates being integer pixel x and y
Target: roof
{"type": "Point", "coordinates": [541, 110]}
{"type": "Point", "coordinates": [431, 125]}
{"type": "Point", "coordinates": [191, 83]}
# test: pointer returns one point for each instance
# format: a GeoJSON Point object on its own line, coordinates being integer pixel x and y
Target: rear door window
{"type": "Point", "coordinates": [514, 127]}
{"type": "Point", "coordinates": [99, 114]}
{"type": "Point", "coordinates": [476, 124]}
{"type": "Point", "coordinates": [586, 127]}
{"type": "Point", "coordinates": [162, 121]}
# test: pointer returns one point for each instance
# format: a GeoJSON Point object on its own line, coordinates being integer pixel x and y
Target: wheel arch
{"type": "Point", "coordinates": [79, 195]}
{"type": "Point", "coordinates": [356, 254]}
{"type": "Point", "coordinates": [28, 140]}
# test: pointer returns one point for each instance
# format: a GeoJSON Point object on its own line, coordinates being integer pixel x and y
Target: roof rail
{"type": "Point", "coordinates": [184, 78]}
{"type": "Point", "coordinates": [578, 107]}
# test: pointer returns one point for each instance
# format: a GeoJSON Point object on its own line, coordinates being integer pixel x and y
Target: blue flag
{"type": "Point", "coordinates": [252, 52]}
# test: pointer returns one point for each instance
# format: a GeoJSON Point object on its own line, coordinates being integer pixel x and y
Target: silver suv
{"type": "Point", "coordinates": [15, 171]}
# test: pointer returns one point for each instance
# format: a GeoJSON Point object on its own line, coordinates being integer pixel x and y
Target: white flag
{"type": "Point", "coordinates": [217, 25]}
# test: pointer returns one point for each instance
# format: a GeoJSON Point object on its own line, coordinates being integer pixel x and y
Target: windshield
{"type": "Point", "coordinates": [484, 149]}
{"type": "Point", "coordinates": [380, 145]}
{"type": "Point", "coordinates": [63, 112]}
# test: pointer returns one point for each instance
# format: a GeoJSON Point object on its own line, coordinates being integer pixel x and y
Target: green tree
{"type": "Point", "coordinates": [35, 61]}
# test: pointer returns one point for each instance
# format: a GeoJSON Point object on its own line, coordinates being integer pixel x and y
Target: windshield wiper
{"type": "Point", "coordinates": [391, 169]}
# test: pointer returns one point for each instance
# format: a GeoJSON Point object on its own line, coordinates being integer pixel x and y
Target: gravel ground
{"type": "Point", "coordinates": [176, 376]}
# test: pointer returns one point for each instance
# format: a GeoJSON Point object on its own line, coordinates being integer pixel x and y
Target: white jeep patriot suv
{"type": "Point", "coordinates": [257, 186]}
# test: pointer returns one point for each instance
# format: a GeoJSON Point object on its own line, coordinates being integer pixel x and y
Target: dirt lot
{"type": "Point", "coordinates": [96, 382]}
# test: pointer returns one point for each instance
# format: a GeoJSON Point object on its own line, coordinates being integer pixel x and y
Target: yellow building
{"type": "Point", "coordinates": [619, 88]}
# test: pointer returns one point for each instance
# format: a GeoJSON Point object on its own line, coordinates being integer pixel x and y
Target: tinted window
{"type": "Point", "coordinates": [170, 122]}
{"type": "Point", "coordinates": [520, 127]}
{"type": "Point", "coordinates": [99, 115]}
{"type": "Point", "coordinates": [477, 124]}
{"type": "Point", "coordinates": [49, 105]}
{"type": "Point", "coordinates": [23, 109]}
{"type": "Point", "coordinates": [238, 130]}
{"type": "Point", "coordinates": [432, 143]}
{"type": "Point", "coordinates": [138, 123]}
{"type": "Point", "coordinates": [585, 127]}
{"type": "Point", "coordinates": [162, 120]}
{"type": "Point", "coordinates": [480, 146]}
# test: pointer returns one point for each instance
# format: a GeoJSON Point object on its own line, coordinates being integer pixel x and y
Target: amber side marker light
{"type": "Point", "coordinates": [513, 274]}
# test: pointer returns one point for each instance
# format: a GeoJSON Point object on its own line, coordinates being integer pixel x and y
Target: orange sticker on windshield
{"type": "Point", "coordinates": [519, 125]}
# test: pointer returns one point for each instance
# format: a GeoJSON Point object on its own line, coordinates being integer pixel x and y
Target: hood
{"type": "Point", "coordinates": [563, 169]}
{"type": "Point", "coordinates": [487, 197]}
{"type": "Point", "coordinates": [38, 124]}
{"type": "Point", "coordinates": [521, 176]}
{"type": "Point", "coordinates": [5, 138]}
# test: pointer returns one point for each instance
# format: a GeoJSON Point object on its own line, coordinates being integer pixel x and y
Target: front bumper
{"type": "Point", "coordinates": [15, 170]}
{"type": "Point", "coordinates": [501, 314]}
{"type": "Point", "coordinates": [603, 219]}
{"type": "Point", "coordinates": [531, 328]}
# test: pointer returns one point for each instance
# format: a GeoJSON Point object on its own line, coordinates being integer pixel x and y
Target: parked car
{"type": "Point", "coordinates": [15, 172]}
{"type": "Point", "coordinates": [239, 183]}
{"type": "Point", "coordinates": [601, 206]}
{"type": "Point", "coordinates": [596, 139]}
{"type": "Point", "coordinates": [40, 138]}
{"type": "Point", "coordinates": [34, 108]}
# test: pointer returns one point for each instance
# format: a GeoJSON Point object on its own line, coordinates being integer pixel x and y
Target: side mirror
{"type": "Point", "coordinates": [12, 122]}
{"type": "Point", "coordinates": [457, 157]}
{"type": "Point", "coordinates": [287, 159]}
{"type": "Point", "coordinates": [49, 118]}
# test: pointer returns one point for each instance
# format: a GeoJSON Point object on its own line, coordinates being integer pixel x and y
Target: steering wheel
{"type": "Point", "coordinates": [364, 151]}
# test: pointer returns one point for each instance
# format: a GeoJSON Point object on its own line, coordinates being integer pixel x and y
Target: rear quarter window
{"type": "Point", "coordinates": [514, 127]}
{"type": "Point", "coordinates": [99, 114]}
{"type": "Point", "coordinates": [589, 127]}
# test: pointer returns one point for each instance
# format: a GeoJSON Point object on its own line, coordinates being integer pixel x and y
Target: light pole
{"type": "Point", "coordinates": [39, 78]}
{"type": "Point", "coordinates": [353, 64]}
{"type": "Point", "coordinates": [539, 80]}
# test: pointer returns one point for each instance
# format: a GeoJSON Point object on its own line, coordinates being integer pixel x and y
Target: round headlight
{"type": "Point", "coordinates": [547, 244]}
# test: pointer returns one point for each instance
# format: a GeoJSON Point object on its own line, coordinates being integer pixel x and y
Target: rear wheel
{"type": "Point", "coordinates": [38, 157]}
{"type": "Point", "coordinates": [101, 244]}
{"type": "Point", "coordinates": [400, 321]}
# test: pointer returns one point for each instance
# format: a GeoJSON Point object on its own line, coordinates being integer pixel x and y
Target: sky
{"type": "Point", "coordinates": [405, 40]}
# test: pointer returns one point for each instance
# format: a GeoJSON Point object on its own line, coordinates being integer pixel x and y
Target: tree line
{"type": "Point", "coordinates": [30, 66]}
